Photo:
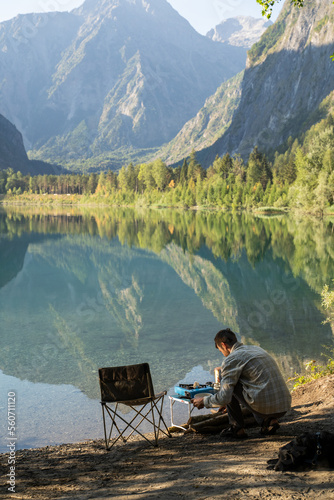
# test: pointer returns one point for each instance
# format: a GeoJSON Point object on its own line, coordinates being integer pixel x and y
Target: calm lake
{"type": "Point", "coordinates": [85, 289]}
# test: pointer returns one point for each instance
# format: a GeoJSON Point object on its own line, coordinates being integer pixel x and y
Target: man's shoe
{"type": "Point", "coordinates": [269, 427]}
{"type": "Point", "coordinates": [234, 432]}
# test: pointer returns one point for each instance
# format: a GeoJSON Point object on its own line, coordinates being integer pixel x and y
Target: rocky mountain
{"type": "Point", "coordinates": [111, 76]}
{"type": "Point", "coordinates": [241, 31]}
{"type": "Point", "coordinates": [288, 83]}
{"type": "Point", "coordinates": [211, 121]}
{"type": "Point", "coordinates": [11, 146]}
{"type": "Point", "coordinates": [208, 125]}
{"type": "Point", "coordinates": [13, 154]}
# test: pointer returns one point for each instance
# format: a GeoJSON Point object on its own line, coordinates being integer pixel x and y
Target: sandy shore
{"type": "Point", "coordinates": [183, 467]}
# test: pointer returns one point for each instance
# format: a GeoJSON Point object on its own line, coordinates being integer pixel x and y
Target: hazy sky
{"type": "Point", "coordinates": [202, 14]}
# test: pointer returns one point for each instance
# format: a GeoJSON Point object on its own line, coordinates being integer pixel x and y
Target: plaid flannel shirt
{"type": "Point", "coordinates": [264, 388]}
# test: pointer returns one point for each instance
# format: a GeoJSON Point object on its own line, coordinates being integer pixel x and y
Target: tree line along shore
{"type": "Point", "coordinates": [300, 178]}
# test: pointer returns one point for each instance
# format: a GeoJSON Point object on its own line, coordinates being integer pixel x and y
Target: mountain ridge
{"type": "Point", "coordinates": [241, 31]}
{"type": "Point", "coordinates": [280, 94]}
{"type": "Point", "coordinates": [151, 99]}
{"type": "Point", "coordinates": [270, 80]}
{"type": "Point", "coordinates": [209, 124]}
{"type": "Point", "coordinates": [125, 74]}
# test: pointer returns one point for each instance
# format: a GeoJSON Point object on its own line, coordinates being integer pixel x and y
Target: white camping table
{"type": "Point", "coordinates": [181, 399]}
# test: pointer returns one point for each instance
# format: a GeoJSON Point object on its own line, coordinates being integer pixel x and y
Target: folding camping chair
{"type": "Point", "coordinates": [131, 386]}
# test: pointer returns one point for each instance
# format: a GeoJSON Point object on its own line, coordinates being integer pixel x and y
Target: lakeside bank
{"type": "Point", "coordinates": [184, 467]}
{"type": "Point", "coordinates": [106, 201]}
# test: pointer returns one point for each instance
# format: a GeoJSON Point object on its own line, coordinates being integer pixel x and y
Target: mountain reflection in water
{"type": "Point", "coordinates": [81, 290]}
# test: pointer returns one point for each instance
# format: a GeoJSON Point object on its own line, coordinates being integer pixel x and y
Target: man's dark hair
{"type": "Point", "coordinates": [226, 336]}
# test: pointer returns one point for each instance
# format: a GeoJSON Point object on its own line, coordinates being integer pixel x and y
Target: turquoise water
{"type": "Point", "coordinates": [105, 288]}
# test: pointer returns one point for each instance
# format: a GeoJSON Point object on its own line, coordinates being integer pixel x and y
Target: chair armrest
{"type": "Point", "coordinates": [160, 394]}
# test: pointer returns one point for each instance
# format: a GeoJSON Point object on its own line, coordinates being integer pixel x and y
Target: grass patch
{"type": "Point", "coordinates": [314, 371]}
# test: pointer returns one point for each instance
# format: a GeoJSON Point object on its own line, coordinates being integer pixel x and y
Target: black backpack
{"type": "Point", "coordinates": [307, 451]}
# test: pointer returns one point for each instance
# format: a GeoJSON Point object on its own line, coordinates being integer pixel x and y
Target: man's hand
{"type": "Point", "coordinates": [198, 403]}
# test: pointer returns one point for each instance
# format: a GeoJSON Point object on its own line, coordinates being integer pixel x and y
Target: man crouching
{"type": "Point", "coordinates": [251, 377]}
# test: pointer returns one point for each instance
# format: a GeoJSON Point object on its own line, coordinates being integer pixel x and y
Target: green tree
{"type": "Point", "coordinates": [200, 192]}
{"type": "Point", "coordinates": [223, 166]}
{"type": "Point", "coordinates": [237, 193]}
{"type": "Point", "coordinates": [239, 167]}
{"type": "Point", "coordinates": [160, 174]}
{"type": "Point", "coordinates": [92, 183]}
{"type": "Point", "coordinates": [111, 181]}
{"type": "Point", "coordinates": [184, 173]}
{"type": "Point", "coordinates": [132, 183]}
{"type": "Point", "coordinates": [194, 168]}
{"type": "Point", "coordinates": [123, 178]}
{"type": "Point", "coordinates": [3, 181]}
{"type": "Point", "coordinates": [146, 175]}
{"type": "Point", "coordinates": [226, 166]}
{"type": "Point", "coordinates": [315, 167]}
{"type": "Point", "coordinates": [288, 172]}
{"type": "Point", "coordinates": [101, 183]}
{"type": "Point", "coordinates": [189, 198]}
{"type": "Point", "coordinates": [258, 170]}
{"type": "Point", "coordinates": [13, 180]}
{"type": "Point", "coordinates": [258, 193]}
{"type": "Point", "coordinates": [322, 192]}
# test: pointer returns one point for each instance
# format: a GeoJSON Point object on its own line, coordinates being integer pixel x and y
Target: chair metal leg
{"type": "Point", "coordinates": [161, 419]}
{"type": "Point", "coordinates": [156, 433]}
{"type": "Point", "coordinates": [159, 411]}
{"type": "Point", "coordinates": [112, 414]}
{"type": "Point", "coordinates": [139, 413]}
{"type": "Point", "coordinates": [104, 426]}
